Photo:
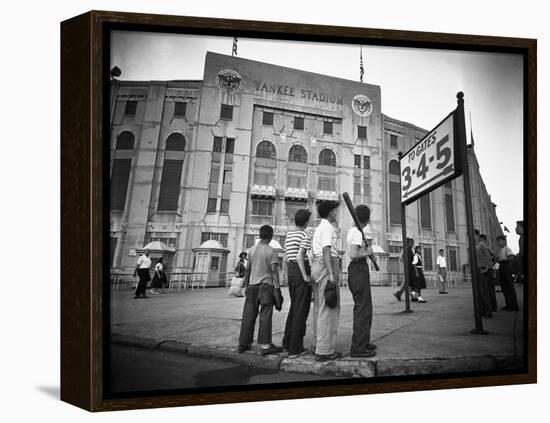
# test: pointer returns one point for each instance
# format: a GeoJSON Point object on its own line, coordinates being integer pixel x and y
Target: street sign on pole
{"type": "Point", "coordinates": [431, 162]}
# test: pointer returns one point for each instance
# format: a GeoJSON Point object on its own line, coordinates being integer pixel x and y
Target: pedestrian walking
{"type": "Point", "coordinates": [483, 259]}
{"type": "Point", "coordinates": [299, 284]}
{"type": "Point", "coordinates": [263, 292]}
{"type": "Point", "coordinates": [419, 281]}
{"type": "Point", "coordinates": [159, 278]}
{"type": "Point", "coordinates": [519, 262]}
{"type": "Point", "coordinates": [142, 271]}
{"type": "Point", "coordinates": [442, 272]}
{"type": "Point", "coordinates": [325, 272]}
{"type": "Point", "coordinates": [411, 272]}
{"type": "Point", "coordinates": [505, 257]}
{"type": "Point", "coordinates": [359, 285]}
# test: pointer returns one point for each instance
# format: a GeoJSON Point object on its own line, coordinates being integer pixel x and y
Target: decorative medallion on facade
{"type": "Point", "coordinates": [229, 81]}
{"type": "Point", "coordinates": [362, 105]}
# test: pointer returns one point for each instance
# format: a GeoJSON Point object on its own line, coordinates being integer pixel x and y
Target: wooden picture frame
{"type": "Point", "coordinates": [84, 219]}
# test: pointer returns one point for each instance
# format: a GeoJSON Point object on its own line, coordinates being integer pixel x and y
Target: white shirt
{"type": "Point", "coordinates": [159, 267]}
{"type": "Point", "coordinates": [144, 262]}
{"type": "Point", "coordinates": [324, 236]}
{"type": "Point", "coordinates": [354, 238]}
{"type": "Point", "coordinates": [441, 261]}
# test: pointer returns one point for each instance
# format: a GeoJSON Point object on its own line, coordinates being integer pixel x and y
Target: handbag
{"type": "Point", "coordinates": [331, 296]}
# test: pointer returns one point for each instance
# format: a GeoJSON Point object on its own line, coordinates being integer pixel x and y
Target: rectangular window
{"type": "Point", "coordinates": [224, 206]}
{"type": "Point", "coordinates": [267, 119]}
{"type": "Point", "coordinates": [299, 123]}
{"type": "Point", "coordinates": [362, 132]}
{"type": "Point", "coordinates": [449, 212]}
{"type": "Point", "coordinates": [393, 140]}
{"type": "Point", "coordinates": [357, 185]}
{"type": "Point", "coordinates": [395, 248]}
{"type": "Point", "coordinates": [131, 108]}
{"type": "Point", "coordinates": [119, 183]}
{"type": "Point", "coordinates": [249, 241]}
{"type": "Point", "coordinates": [427, 257]}
{"type": "Point", "coordinates": [264, 176]}
{"type": "Point", "coordinates": [180, 109]}
{"type": "Point", "coordinates": [214, 175]}
{"type": "Point", "coordinates": [214, 264]}
{"type": "Point", "coordinates": [262, 208]}
{"type": "Point", "coordinates": [216, 236]}
{"type": "Point", "coordinates": [229, 145]}
{"type": "Point", "coordinates": [366, 162]}
{"type": "Point", "coordinates": [326, 183]}
{"type": "Point", "coordinates": [296, 178]}
{"type": "Point", "coordinates": [357, 161]}
{"type": "Point", "coordinates": [452, 258]}
{"type": "Point", "coordinates": [425, 212]}
{"type": "Point", "coordinates": [292, 207]}
{"type": "Point", "coordinates": [114, 241]}
{"type": "Point", "coordinates": [217, 147]}
{"type": "Point", "coordinates": [327, 128]}
{"type": "Point", "coordinates": [212, 205]}
{"type": "Point", "coordinates": [395, 203]}
{"type": "Point", "coordinates": [170, 185]}
{"type": "Point", "coordinates": [227, 176]}
{"type": "Point", "coordinates": [226, 112]}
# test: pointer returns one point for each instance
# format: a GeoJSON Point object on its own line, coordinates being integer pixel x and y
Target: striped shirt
{"type": "Point", "coordinates": [294, 241]}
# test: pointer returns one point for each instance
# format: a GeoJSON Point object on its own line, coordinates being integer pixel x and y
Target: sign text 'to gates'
{"type": "Point", "coordinates": [430, 162]}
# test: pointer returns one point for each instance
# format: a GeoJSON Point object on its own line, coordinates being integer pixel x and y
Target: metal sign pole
{"type": "Point", "coordinates": [460, 131]}
{"type": "Point", "coordinates": [406, 251]}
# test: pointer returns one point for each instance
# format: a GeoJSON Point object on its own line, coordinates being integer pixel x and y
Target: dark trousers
{"type": "Point", "coordinates": [485, 293]}
{"type": "Point", "coordinates": [300, 302]}
{"type": "Point", "coordinates": [492, 293]}
{"type": "Point", "coordinates": [359, 285]}
{"type": "Point", "coordinates": [144, 277]}
{"type": "Point", "coordinates": [507, 286]}
{"type": "Point", "coordinates": [258, 300]}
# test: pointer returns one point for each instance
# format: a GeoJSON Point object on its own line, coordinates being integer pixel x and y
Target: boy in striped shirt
{"type": "Point", "coordinates": [299, 285]}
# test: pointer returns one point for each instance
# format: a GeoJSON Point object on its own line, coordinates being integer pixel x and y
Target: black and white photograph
{"type": "Point", "coordinates": [300, 212]}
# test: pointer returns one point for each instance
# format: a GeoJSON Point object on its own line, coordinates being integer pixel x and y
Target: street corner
{"type": "Point", "coordinates": [345, 367]}
{"type": "Point", "coordinates": [408, 367]}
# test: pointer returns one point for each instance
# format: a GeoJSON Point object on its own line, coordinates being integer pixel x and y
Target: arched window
{"type": "Point", "coordinates": [394, 167]}
{"type": "Point", "coordinates": [175, 142]}
{"type": "Point", "coordinates": [125, 141]}
{"type": "Point", "coordinates": [297, 153]}
{"type": "Point", "coordinates": [266, 150]}
{"type": "Point", "coordinates": [327, 158]}
{"type": "Point", "coordinates": [395, 193]}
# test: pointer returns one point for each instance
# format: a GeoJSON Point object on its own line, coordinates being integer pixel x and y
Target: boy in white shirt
{"type": "Point", "coordinates": [442, 272]}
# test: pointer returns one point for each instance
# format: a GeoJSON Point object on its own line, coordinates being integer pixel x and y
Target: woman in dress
{"type": "Point", "coordinates": [419, 281]}
{"type": "Point", "coordinates": [158, 278]}
{"type": "Point", "coordinates": [236, 289]}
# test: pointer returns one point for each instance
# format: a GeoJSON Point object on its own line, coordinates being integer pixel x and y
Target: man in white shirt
{"type": "Point", "coordinates": [359, 285]}
{"type": "Point", "coordinates": [325, 271]}
{"type": "Point", "coordinates": [442, 272]}
{"type": "Point", "coordinates": [142, 270]}
{"type": "Point", "coordinates": [505, 257]}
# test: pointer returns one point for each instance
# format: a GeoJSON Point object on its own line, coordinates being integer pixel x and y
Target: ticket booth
{"type": "Point", "coordinates": [210, 264]}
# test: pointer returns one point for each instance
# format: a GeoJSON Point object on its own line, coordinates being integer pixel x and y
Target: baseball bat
{"type": "Point", "coordinates": [351, 209]}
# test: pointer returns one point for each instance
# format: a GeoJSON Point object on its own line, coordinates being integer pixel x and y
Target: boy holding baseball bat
{"type": "Point", "coordinates": [359, 285]}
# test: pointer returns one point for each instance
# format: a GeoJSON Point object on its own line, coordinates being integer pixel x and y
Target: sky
{"type": "Point", "coordinates": [418, 86]}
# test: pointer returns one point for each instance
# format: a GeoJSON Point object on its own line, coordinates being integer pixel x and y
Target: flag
{"type": "Point", "coordinates": [361, 68]}
{"type": "Point", "coordinates": [234, 51]}
{"type": "Point", "coordinates": [471, 130]}
{"type": "Point", "coordinates": [506, 229]}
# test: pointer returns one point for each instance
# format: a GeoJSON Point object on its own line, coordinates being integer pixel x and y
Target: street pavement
{"type": "Point", "coordinates": [434, 338]}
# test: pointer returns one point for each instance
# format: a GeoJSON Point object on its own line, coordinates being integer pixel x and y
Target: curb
{"type": "Point", "coordinates": [345, 367]}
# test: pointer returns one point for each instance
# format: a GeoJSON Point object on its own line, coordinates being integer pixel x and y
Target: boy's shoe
{"type": "Point", "coordinates": [243, 348]}
{"type": "Point", "coordinates": [443, 292]}
{"type": "Point", "coordinates": [273, 349]}
{"type": "Point", "coordinates": [327, 357]}
{"type": "Point", "coordinates": [365, 354]}
{"type": "Point", "coordinates": [371, 347]}
{"type": "Point", "coordinates": [421, 300]}
{"type": "Point", "coordinates": [397, 295]}
{"type": "Point", "coordinates": [304, 352]}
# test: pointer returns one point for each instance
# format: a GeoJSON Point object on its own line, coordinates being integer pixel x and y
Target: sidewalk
{"type": "Point", "coordinates": [435, 338]}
